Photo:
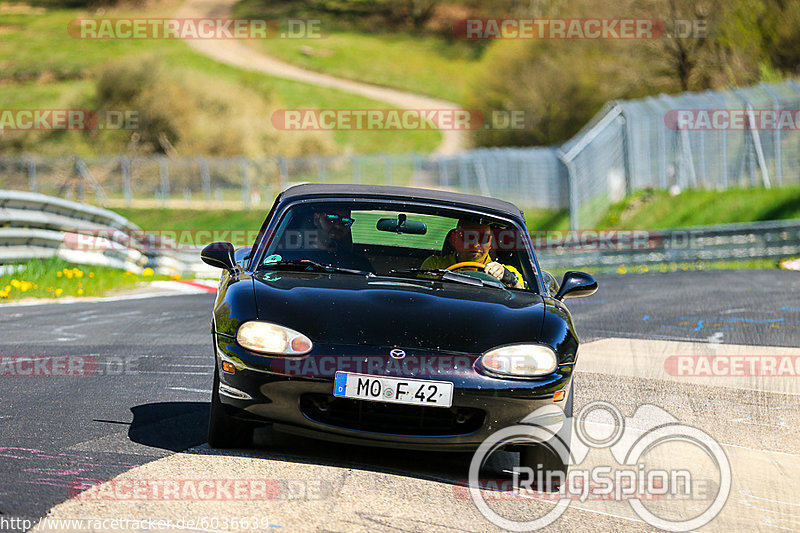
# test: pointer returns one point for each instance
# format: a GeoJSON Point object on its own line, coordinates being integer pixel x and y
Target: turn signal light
{"type": "Point", "coordinates": [558, 396]}
{"type": "Point", "coordinates": [301, 345]}
{"type": "Point", "coordinates": [228, 367]}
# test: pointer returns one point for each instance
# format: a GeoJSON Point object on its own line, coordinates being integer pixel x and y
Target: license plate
{"type": "Point", "coordinates": [393, 390]}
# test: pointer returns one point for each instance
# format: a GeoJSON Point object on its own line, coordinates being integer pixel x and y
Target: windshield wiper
{"type": "Point", "coordinates": [312, 266]}
{"type": "Point", "coordinates": [442, 274]}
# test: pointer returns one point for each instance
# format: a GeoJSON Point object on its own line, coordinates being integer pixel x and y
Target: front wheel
{"type": "Point", "coordinates": [545, 457]}
{"type": "Point", "coordinates": [224, 431]}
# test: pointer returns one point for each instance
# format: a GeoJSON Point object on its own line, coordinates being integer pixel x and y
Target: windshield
{"type": "Point", "coordinates": [398, 239]}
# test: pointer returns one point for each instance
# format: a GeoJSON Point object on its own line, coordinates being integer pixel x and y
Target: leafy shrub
{"type": "Point", "coordinates": [184, 112]}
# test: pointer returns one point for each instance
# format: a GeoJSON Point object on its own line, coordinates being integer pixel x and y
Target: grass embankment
{"type": "Point", "coordinates": [648, 210]}
{"type": "Point", "coordinates": [45, 68]}
{"type": "Point", "coordinates": [425, 65]}
{"type": "Point", "coordinates": [55, 278]}
{"type": "Point", "coordinates": [659, 210]}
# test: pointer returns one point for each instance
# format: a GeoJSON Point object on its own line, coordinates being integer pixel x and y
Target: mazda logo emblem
{"type": "Point", "coordinates": [397, 353]}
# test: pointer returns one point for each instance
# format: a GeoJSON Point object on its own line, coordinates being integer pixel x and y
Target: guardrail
{"type": "Point", "coordinates": [728, 242]}
{"type": "Point", "coordinates": [37, 226]}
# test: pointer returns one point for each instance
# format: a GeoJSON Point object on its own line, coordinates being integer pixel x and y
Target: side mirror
{"type": "Point", "coordinates": [218, 255]}
{"type": "Point", "coordinates": [576, 284]}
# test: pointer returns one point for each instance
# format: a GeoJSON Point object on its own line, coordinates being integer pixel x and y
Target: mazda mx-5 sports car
{"type": "Point", "coordinates": [389, 316]}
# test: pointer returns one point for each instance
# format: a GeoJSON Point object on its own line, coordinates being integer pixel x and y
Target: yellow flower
{"type": "Point", "coordinates": [147, 272]}
{"type": "Point", "coordinates": [80, 292]}
{"type": "Point", "coordinates": [128, 273]}
{"type": "Point", "coordinates": [58, 292]}
{"type": "Point", "coordinates": [622, 269]}
{"type": "Point", "coordinates": [175, 276]}
{"type": "Point", "coordinates": [49, 289]}
{"type": "Point", "coordinates": [68, 273]}
{"type": "Point", "coordinates": [59, 274]}
{"type": "Point", "coordinates": [91, 274]}
{"type": "Point", "coordinates": [25, 285]}
{"type": "Point", "coordinates": [15, 283]}
{"type": "Point", "coordinates": [3, 294]}
{"type": "Point", "coordinates": [7, 288]}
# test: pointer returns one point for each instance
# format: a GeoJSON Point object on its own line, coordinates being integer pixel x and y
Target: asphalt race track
{"type": "Point", "coordinates": [147, 398]}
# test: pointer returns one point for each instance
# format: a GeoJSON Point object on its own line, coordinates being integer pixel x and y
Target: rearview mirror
{"type": "Point", "coordinates": [576, 284]}
{"type": "Point", "coordinates": [218, 255]}
{"type": "Point", "coordinates": [402, 225]}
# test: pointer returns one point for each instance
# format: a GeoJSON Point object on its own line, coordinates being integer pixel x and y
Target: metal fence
{"type": "Point", "coordinates": [743, 138]}
{"type": "Point", "coordinates": [533, 177]}
{"type": "Point", "coordinates": [628, 146]}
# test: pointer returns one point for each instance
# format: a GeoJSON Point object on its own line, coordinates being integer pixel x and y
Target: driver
{"type": "Point", "coordinates": [471, 241]}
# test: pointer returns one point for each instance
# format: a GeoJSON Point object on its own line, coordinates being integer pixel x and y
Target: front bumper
{"type": "Point", "coordinates": [296, 396]}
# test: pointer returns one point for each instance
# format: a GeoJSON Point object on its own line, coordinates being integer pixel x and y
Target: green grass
{"type": "Point", "coordinates": [659, 210]}
{"type": "Point", "coordinates": [55, 278]}
{"type": "Point", "coordinates": [420, 64]}
{"type": "Point", "coordinates": [43, 67]}
{"type": "Point", "coordinates": [546, 219]}
{"type": "Point", "coordinates": [195, 219]}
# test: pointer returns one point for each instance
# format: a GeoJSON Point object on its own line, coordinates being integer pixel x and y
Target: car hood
{"type": "Point", "coordinates": [333, 308]}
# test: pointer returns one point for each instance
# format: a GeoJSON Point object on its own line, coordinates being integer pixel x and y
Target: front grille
{"type": "Point", "coordinates": [396, 419]}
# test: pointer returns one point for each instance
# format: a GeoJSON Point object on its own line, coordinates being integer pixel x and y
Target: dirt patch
{"type": "Point", "coordinates": [20, 8]}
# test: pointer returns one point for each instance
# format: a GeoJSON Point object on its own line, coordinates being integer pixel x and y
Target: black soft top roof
{"type": "Point", "coordinates": [455, 199]}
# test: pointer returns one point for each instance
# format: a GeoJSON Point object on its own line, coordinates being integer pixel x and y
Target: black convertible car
{"type": "Point", "coordinates": [388, 316]}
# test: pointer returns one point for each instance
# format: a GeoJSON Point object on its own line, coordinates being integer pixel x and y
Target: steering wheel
{"type": "Point", "coordinates": [466, 264]}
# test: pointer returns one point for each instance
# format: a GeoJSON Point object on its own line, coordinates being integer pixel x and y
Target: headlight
{"type": "Point", "coordinates": [523, 360]}
{"type": "Point", "coordinates": [272, 339]}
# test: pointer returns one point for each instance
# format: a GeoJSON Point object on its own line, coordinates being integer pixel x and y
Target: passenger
{"type": "Point", "coordinates": [334, 239]}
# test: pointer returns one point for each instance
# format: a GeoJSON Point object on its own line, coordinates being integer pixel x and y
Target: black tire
{"type": "Point", "coordinates": [545, 457]}
{"type": "Point", "coordinates": [224, 431]}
